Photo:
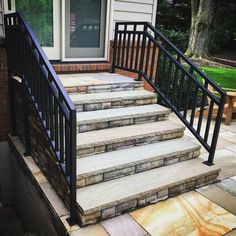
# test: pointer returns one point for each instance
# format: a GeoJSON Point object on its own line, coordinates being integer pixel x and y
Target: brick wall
{"type": "Point", "coordinates": [5, 124]}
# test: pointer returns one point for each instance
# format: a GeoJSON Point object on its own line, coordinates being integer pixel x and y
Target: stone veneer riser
{"type": "Point", "coordinates": [129, 142]}
{"type": "Point", "coordinates": [114, 104]}
{"type": "Point", "coordinates": [105, 88]}
{"type": "Point", "coordinates": [146, 198]}
{"type": "Point", "coordinates": [107, 175]}
{"type": "Point", "coordinates": [120, 122]}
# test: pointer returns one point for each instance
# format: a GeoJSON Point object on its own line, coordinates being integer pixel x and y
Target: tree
{"type": "Point", "coordinates": [202, 27]}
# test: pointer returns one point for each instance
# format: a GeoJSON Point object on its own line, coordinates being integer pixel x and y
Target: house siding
{"type": "Point", "coordinates": [134, 10]}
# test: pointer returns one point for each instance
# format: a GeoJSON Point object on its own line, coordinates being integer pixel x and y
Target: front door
{"type": "Point", "coordinates": [68, 30]}
{"type": "Point", "coordinates": [85, 26]}
{"type": "Point", "coordinates": [44, 18]}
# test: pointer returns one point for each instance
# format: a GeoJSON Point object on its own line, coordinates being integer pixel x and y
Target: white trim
{"type": "Point", "coordinates": [63, 43]}
{"type": "Point", "coordinates": [53, 53]}
{"type": "Point", "coordinates": [111, 25]}
{"type": "Point", "coordinates": [13, 7]}
{"type": "Point", "coordinates": [84, 59]}
{"type": "Point", "coordinates": [106, 46]}
{"type": "Point", "coordinates": [154, 12]}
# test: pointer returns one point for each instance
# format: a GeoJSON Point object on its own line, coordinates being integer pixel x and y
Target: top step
{"type": "Point", "coordinates": [98, 82]}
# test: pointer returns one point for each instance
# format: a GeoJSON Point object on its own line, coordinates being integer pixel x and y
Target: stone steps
{"type": "Point", "coordinates": [102, 119]}
{"type": "Point", "coordinates": [98, 83]}
{"type": "Point", "coordinates": [100, 101]}
{"type": "Point", "coordinates": [128, 153]}
{"type": "Point", "coordinates": [99, 141]}
{"type": "Point", "coordinates": [117, 164]}
{"type": "Point", "coordinates": [107, 199]}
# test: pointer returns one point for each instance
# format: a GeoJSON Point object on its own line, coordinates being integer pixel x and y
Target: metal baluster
{"type": "Point", "coordinates": [182, 77]}
{"type": "Point", "coordinates": [56, 126]}
{"type": "Point", "coordinates": [119, 48]}
{"type": "Point", "coordinates": [114, 62]}
{"type": "Point", "coordinates": [147, 56]}
{"type": "Point", "coordinates": [189, 87]}
{"type": "Point", "coordinates": [137, 53]}
{"type": "Point", "coordinates": [194, 105]}
{"type": "Point", "coordinates": [142, 52]}
{"type": "Point", "coordinates": [132, 49]}
{"type": "Point", "coordinates": [128, 49]}
{"type": "Point", "coordinates": [202, 109]}
{"type": "Point", "coordinates": [67, 148]}
{"type": "Point", "coordinates": [123, 47]}
{"type": "Point", "coordinates": [208, 124]}
{"type": "Point", "coordinates": [152, 61]}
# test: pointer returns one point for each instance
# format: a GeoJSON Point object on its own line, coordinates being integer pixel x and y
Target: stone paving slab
{"type": "Point", "coordinates": [123, 226]}
{"type": "Point", "coordinates": [225, 159]}
{"type": "Point", "coordinates": [219, 196]}
{"type": "Point", "coordinates": [231, 233]}
{"type": "Point", "coordinates": [93, 230]}
{"type": "Point", "coordinates": [233, 178]}
{"type": "Point", "coordinates": [228, 185]}
{"type": "Point", "coordinates": [187, 214]}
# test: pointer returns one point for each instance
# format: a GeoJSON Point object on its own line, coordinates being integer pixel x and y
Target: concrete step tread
{"type": "Point", "coordinates": [111, 96]}
{"type": "Point", "coordinates": [94, 79]}
{"type": "Point", "coordinates": [105, 162]}
{"type": "Point", "coordinates": [107, 194]}
{"type": "Point", "coordinates": [107, 136]}
{"type": "Point", "coordinates": [121, 113]}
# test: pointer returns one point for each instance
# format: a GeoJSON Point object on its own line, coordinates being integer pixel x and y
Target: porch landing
{"type": "Point", "coordinates": [87, 79]}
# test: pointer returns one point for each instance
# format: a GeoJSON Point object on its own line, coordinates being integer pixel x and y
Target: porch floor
{"type": "Point", "coordinates": [88, 79]}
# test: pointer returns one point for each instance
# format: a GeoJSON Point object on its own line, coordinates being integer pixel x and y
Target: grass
{"type": "Point", "coordinates": [224, 77]}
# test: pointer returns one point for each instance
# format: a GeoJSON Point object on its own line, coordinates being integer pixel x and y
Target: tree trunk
{"type": "Point", "coordinates": [203, 13]}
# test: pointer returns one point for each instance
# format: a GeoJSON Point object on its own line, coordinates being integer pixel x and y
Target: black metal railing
{"type": "Point", "coordinates": [54, 107]}
{"type": "Point", "coordinates": [140, 48]}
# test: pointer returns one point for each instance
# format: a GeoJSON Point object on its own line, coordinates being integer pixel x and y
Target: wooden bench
{"type": "Point", "coordinates": [230, 105]}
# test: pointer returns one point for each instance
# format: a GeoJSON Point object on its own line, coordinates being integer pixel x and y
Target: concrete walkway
{"type": "Point", "coordinates": [210, 210]}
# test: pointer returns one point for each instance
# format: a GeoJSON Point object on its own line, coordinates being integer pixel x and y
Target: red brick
{"type": "Point", "coordinates": [4, 97]}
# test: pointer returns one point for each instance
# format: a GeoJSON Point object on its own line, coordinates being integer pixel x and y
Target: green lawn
{"type": "Point", "coordinates": [224, 77]}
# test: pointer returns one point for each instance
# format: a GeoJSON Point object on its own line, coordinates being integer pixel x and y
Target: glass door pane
{"type": "Point", "coordinates": [39, 14]}
{"type": "Point", "coordinates": [85, 28]}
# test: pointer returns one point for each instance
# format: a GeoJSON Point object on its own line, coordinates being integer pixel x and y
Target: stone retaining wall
{"type": "Point", "coordinates": [41, 151]}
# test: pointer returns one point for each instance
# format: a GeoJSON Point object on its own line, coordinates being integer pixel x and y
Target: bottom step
{"type": "Point", "coordinates": [108, 199]}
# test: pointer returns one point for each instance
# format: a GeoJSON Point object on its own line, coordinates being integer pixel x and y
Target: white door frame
{"type": "Point", "coordinates": [106, 46]}
{"type": "Point", "coordinates": [53, 53]}
{"type": "Point", "coordinates": [58, 51]}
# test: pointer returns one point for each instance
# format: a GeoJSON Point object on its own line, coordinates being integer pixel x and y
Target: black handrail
{"type": "Point", "coordinates": [54, 107]}
{"type": "Point", "coordinates": [140, 48]}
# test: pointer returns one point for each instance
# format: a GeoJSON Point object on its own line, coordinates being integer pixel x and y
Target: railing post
{"type": "Point", "coordinates": [210, 160]}
{"type": "Point", "coordinates": [142, 52]}
{"type": "Point", "coordinates": [26, 119]}
{"type": "Point", "coordinates": [73, 205]}
{"type": "Point", "coordinates": [114, 48]}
